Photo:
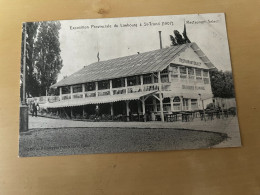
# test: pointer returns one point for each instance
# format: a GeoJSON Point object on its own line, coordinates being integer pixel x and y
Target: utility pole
{"type": "Point", "coordinates": [24, 65]}
{"type": "Point", "coordinates": [24, 119]}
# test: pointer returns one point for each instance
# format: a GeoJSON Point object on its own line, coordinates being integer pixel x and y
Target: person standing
{"type": "Point", "coordinates": [34, 109]}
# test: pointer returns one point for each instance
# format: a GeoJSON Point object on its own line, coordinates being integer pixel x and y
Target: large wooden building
{"type": "Point", "coordinates": [166, 80]}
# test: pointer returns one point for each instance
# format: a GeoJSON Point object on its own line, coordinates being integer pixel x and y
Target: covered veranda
{"type": "Point", "coordinates": [123, 107]}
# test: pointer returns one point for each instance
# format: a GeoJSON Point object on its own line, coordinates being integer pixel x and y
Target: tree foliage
{"type": "Point", "coordinates": [43, 60]}
{"type": "Point", "coordinates": [31, 28]}
{"type": "Point", "coordinates": [222, 84]}
{"type": "Point", "coordinates": [179, 39]}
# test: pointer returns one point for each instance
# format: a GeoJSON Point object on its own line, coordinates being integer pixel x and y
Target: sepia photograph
{"type": "Point", "coordinates": [136, 84]}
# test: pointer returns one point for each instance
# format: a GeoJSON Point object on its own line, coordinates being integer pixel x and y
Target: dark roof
{"type": "Point", "coordinates": [143, 63]}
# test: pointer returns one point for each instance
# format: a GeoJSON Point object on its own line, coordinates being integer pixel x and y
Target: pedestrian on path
{"type": "Point", "coordinates": [35, 107]}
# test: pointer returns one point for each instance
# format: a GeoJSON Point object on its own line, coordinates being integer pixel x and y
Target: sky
{"type": "Point", "coordinates": [82, 40]}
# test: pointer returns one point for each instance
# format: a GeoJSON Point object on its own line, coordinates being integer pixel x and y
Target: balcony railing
{"type": "Point", "coordinates": [116, 91]}
{"type": "Point", "coordinates": [104, 92]}
{"type": "Point", "coordinates": [90, 94]}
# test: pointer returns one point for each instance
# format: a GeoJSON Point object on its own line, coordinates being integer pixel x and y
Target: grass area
{"type": "Point", "coordinates": [67, 141]}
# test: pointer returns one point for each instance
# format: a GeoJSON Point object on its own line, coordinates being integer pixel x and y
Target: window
{"type": "Point", "coordinates": [77, 88]}
{"type": "Point", "coordinates": [183, 73]}
{"type": "Point", "coordinates": [185, 104]}
{"type": "Point", "coordinates": [166, 104]}
{"type": "Point", "coordinates": [176, 106]}
{"type": "Point", "coordinates": [66, 90]}
{"type": "Point", "coordinates": [206, 80]}
{"type": "Point", "coordinates": [147, 78]}
{"type": "Point", "coordinates": [199, 76]}
{"type": "Point", "coordinates": [103, 85]}
{"type": "Point", "coordinates": [164, 76]}
{"type": "Point", "coordinates": [134, 80]}
{"type": "Point", "coordinates": [155, 77]}
{"type": "Point", "coordinates": [191, 73]}
{"type": "Point", "coordinates": [116, 83]}
{"type": "Point", "coordinates": [90, 86]}
{"type": "Point", "coordinates": [176, 103]}
{"type": "Point", "coordinates": [194, 104]}
{"type": "Point", "coordinates": [198, 72]}
{"type": "Point", "coordinates": [205, 73]}
{"type": "Point", "coordinates": [175, 72]}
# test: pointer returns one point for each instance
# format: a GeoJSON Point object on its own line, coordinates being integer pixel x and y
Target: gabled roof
{"type": "Point", "coordinates": [143, 63]}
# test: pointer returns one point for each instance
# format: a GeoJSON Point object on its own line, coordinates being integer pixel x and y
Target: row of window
{"type": "Point", "coordinates": [147, 79]}
{"type": "Point", "coordinates": [190, 71]}
{"type": "Point", "coordinates": [116, 83]}
{"type": "Point", "coordinates": [176, 105]}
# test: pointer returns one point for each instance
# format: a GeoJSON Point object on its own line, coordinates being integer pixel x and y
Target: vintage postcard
{"type": "Point", "coordinates": [154, 83]}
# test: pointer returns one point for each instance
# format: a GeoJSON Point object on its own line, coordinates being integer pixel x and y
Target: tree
{"type": "Point", "coordinates": [173, 41]}
{"type": "Point", "coordinates": [43, 51]}
{"type": "Point", "coordinates": [222, 84]}
{"type": "Point", "coordinates": [179, 39]}
{"type": "Point", "coordinates": [31, 31]}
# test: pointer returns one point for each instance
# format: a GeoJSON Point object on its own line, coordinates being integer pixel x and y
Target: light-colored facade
{"type": "Point", "coordinates": [181, 84]}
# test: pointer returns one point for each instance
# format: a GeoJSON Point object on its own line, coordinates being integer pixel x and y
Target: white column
{"type": "Point", "coordinates": [110, 87]}
{"type": "Point", "coordinates": [181, 103]}
{"type": "Point", "coordinates": [143, 105]}
{"type": "Point", "coordinates": [96, 83]}
{"type": "Point", "coordinates": [83, 90]}
{"type": "Point", "coordinates": [138, 107]}
{"type": "Point", "coordinates": [60, 93]}
{"type": "Point", "coordinates": [189, 104]}
{"type": "Point", "coordinates": [142, 82]}
{"type": "Point", "coordinates": [126, 85]}
{"type": "Point", "coordinates": [160, 96]}
{"type": "Point", "coordinates": [71, 92]}
{"type": "Point", "coordinates": [161, 107]}
{"type": "Point", "coordinates": [171, 101]}
{"type": "Point", "coordinates": [71, 112]}
{"type": "Point", "coordinates": [179, 73]}
{"type": "Point", "coordinates": [159, 81]}
{"type": "Point", "coordinates": [127, 109]}
{"type": "Point", "coordinates": [169, 75]}
{"type": "Point", "coordinates": [152, 78]}
{"type": "Point", "coordinates": [111, 109]}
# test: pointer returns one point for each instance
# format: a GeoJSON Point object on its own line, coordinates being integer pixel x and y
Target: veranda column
{"type": "Point", "coordinates": [110, 87]}
{"type": "Point", "coordinates": [127, 110]}
{"type": "Point", "coordinates": [83, 90]}
{"type": "Point", "coordinates": [71, 112]}
{"type": "Point", "coordinates": [96, 83]}
{"type": "Point", "coordinates": [126, 85]}
{"type": "Point", "coordinates": [171, 101]}
{"type": "Point", "coordinates": [181, 103]}
{"type": "Point", "coordinates": [111, 109]}
{"type": "Point", "coordinates": [71, 92]}
{"type": "Point", "coordinates": [169, 74]}
{"type": "Point", "coordinates": [160, 96]}
{"type": "Point", "coordinates": [143, 107]}
{"type": "Point", "coordinates": [83, 112]}
{"type": "Point", "coordinates": [189, 104]}
{"type": "Point", "coordinates": [142, 82]}
{"type": "Point", "coordinates": [60, 93]}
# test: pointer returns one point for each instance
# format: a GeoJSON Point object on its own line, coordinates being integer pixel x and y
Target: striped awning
{"type": "Point", "coordinates": [97, 100]}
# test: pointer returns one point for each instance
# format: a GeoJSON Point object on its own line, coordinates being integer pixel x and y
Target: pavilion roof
{"type": "Point", "coordinates": [143, 63]}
